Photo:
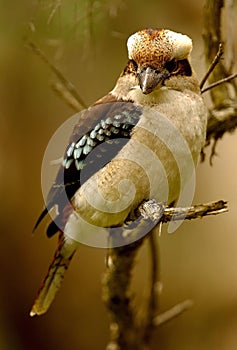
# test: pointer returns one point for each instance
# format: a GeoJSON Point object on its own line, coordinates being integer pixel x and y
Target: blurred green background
{"type": "Point", "coordinates": [87, 41]}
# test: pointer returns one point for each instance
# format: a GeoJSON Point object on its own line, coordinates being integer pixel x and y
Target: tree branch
{"type": "Point", "coordinates": [195, 211]}
{"type": "Point", "coordinates": [212, 38]}
{"type": "Point", "coordinates": [223, 114]}
{"type": "Point", "coordinates": [127, 330]}
{"type": "Point", "coordinates": [118, 298]}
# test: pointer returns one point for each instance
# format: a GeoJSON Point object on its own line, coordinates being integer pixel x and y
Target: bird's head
{"type": "Point", "coordinates": [158, 54]}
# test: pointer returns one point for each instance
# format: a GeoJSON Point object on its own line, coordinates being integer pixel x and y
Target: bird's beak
{"type": "Point", "coordinates": [149, 79]}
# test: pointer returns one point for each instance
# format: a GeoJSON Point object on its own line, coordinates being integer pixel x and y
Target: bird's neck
{"type": "Point", "coordinates": [127, 89]}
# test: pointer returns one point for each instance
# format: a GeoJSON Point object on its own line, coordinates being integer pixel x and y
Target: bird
{"type": "Point", "coordinates": [125, 148]}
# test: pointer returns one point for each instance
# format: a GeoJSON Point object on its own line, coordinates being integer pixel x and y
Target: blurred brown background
{"type": "Point", "coordinates": [199, 261]}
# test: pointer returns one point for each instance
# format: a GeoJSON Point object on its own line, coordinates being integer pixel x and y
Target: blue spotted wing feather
{"type": "Point", "coordinates": [99, 135]}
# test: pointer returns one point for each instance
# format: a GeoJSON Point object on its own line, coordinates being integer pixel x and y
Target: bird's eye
{"type": "Point", "coordinates": [134, 64]}
{"type": "Point", "coordinates": [172, 66]}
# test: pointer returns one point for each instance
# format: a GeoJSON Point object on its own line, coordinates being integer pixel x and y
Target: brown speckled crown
{"type": "Point", "coordinates": [153, 47]}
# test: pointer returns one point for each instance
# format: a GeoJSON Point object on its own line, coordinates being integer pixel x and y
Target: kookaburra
{"type": "Point", "coordinates": [158, 84]}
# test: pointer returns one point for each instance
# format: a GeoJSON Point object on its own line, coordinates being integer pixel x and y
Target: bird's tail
{"type": "Point", "coordinates": [54, 277]}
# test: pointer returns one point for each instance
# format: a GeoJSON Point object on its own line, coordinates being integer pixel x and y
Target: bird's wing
{"type": "Point", "coordinates": [106, 124]}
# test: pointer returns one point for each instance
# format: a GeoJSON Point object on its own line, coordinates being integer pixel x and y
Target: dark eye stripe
{"type": "Point", "coordinates": [181, 67]}
{"type": "Point", "coordinates": [172, 66]}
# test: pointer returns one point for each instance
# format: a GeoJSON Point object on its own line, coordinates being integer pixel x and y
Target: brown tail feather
{"type": "Point", "coordinates": [54, 277]}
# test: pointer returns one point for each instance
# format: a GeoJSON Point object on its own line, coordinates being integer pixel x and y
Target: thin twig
{"type": "Point", "coordinates": [56, 6]}
{"type": "Point", "coordinates": [212, 66]}
{"type": "Point", "coordinates": [219, 82]}
{"type": "Point", "coordinates": [63, 93]}
{"type": "Point", "coordinates": [170, 314]}
{"type": "Point", "coordinates": [68, 85]}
